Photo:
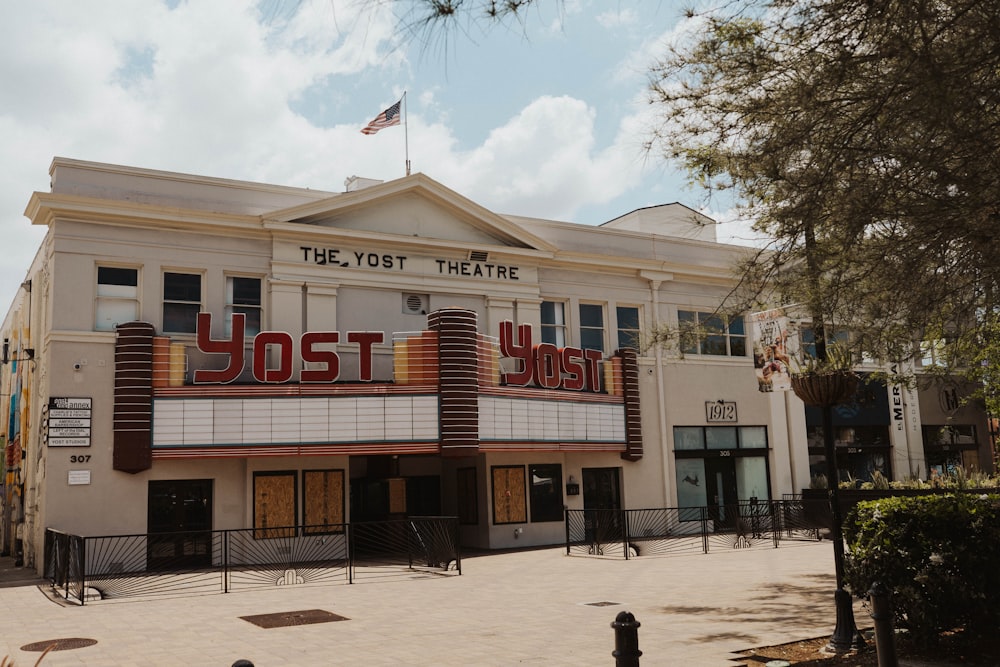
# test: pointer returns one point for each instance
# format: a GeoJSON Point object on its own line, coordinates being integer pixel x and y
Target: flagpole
{"type": "Point", "coordinates": [406, 135]}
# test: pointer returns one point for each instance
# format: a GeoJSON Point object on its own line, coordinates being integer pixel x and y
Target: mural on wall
{"type": "Point", "coordinates": [17, 415]}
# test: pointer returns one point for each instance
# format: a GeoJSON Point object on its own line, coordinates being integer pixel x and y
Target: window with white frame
{"type": "Point", "coordinates": [628, 327]}
{"type": "Point", "coordinates": [933, 352]}
{"type": "Point", "coordinates": [117, 297]}
{"type": "Point", "coordinates": [711, 334]}
{"type": "Point", "coordinates": [554, 323]}
{"type": "Point", "coordinates": [834, 339]}
{"type": "Point", "coordinates": [243, 295]}
{"type": "Point", "coordinates": [592, 326]}
{"type": "Point", "coordinates": [181, 302]}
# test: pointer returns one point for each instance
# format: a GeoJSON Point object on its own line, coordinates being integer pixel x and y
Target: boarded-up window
{"type": "Point", "coordinates": [274, 507]}
{"type": "Point", "coordinates": [323, 501]}
{"type": "Point", "coordinates": [397, 495]}
{"type": "Point", "coordinates": [468, 499]}
{"type": "Point", "coordinates": [509, 502]}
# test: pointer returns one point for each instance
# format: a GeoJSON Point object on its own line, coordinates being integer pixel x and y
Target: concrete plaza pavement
{"type": "Point", "coordinates": [532, 607]}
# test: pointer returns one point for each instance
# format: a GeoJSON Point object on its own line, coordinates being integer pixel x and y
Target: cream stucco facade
{"type": "Point", "coordinates": [136, 245]}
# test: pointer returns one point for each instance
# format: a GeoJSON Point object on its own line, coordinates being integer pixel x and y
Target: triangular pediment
{"type": "Point", "coordinates": [413, 206]}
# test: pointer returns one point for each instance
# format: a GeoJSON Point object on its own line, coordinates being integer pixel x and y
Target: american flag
{"type": "Point", "coordinates": [387, 118]}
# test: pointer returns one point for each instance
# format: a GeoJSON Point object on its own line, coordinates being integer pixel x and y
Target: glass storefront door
{"type": "Point", "coordinates": [602, 503]}
{"type": "Point", "coordinates": [720, 483]}
{"type": "Point", "coordinates": [719, 468]}
{"type": "Point", "coordinates": [179, 523]}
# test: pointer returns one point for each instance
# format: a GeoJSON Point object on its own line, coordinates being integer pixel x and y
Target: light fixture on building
{"type": "Point", "coordinates": [29, 353]}
{"type": "Point", "coordinates": [572, 488]}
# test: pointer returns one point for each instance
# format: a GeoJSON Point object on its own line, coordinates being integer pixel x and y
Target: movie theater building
{"type": "Point", "coordinates": [190, 352]}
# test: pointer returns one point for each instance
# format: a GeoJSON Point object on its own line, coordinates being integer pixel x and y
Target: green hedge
{"type": "Point", "coordinates": [938, 555]}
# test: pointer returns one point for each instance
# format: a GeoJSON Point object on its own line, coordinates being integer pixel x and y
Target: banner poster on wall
{"type": "Point", "coordinates": [773, 349]}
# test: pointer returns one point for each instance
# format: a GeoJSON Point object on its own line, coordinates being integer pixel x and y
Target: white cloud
{"type": "Point", "coordinates": [541, 163]}
{"type": "Point", "coordinates": [211, 88]}
{"type": "Point", "coordinates": [618, 18]}
{"type": "Point", "coordinates": [203, 87]}
{"type": "Point", "coordinates": [734, 228]}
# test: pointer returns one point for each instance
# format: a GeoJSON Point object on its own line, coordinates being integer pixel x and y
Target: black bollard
{"type": "Point", "coordinates": [885, 640]}
{"type": "Point", "coordinates": [626, 629]}
{"type": "Point", "coordinates": [242, 663]}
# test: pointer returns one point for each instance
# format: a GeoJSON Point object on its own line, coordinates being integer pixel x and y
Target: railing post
{"type": "Point", "coordinates": [225, 561]}
{"type": "Point", "coordinates": [456, 544]}
{"type": "Point", "coordinates": [83, 569]}
{"type": "Point", "coordinates": [625, 532]}
{"type": "Point", "coordinates": [67, 544]}
{"type": "Point", "coordinates": [69, 555]}
{"type": "Point", "coordinates": [409, 541]}
{"type": "Point", "coordinates": [881, 613]}
{"type": "Point", "coordinates": [566, 521]}
{"type": "Point", "coordinates": [626, 653]}
{"type": "Point", "coordinates": [349, 536]}
{"type": "Point", "coordinates": [704, 530]}
{"type": "Point", "coordinates": [60, 570]}
{"type": "Point", "coordinates": [775, 508]}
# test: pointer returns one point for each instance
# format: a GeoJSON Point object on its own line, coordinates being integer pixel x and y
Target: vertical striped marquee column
{"type": "Point", "coordinates": [133, 419]}
{"type": "Point", "coordinates": [633, 417]}
{"type": "Point", "coordinates": [458, 391]}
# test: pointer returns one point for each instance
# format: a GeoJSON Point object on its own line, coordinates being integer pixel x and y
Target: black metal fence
{"type": "Point", "coordinates": [664, 531]}
{"type": "Point", "coordinates": [223, 561]}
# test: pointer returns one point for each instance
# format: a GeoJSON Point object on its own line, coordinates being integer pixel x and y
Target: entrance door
{"type": "Point", "coordinates": [720, 485]}
{"type": "Point", "coordinates": [602, 504]}
{"type": "Point", "coordinates": [179, 523]}
{"type": "Point", "coordinates": [423, 496]}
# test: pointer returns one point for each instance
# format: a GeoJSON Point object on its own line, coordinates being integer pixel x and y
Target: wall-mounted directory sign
{"type": "Point", "coordinates": [69, 422]}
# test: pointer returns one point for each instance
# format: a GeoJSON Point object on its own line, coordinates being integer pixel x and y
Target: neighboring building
{"type": "Point", "coordinates": [194, 352]}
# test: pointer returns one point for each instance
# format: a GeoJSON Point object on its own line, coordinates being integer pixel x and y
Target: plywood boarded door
{"type": "Point", "coordinates": [323, 500]}
{"type": "Point", "coordinates": [509, 501]}
{"type": "Point", "coordinates": [274, 508]}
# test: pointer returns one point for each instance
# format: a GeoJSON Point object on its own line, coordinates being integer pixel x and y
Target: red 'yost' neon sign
{"type": "Point", "coordinates": [543, 364]}
{"type": "Point", "coordinates": [235, 345]}
{"type": "Point", "coordinates": [547, 365]}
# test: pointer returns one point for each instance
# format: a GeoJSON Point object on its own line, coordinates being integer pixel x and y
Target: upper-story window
{"type": "Point", "coordinates": [711, 333]}
{"type": "Point", "coordinates": [628, 327]}
{"type": "Point", "coordinates": [117, 297]}
{"type": "Point", "coordinates": [837, 339]}
{"type": "Point", "coordinates": [181, 302]}
{"type": "Point", "coordinates": [243, 295]}
{"type": "Point", "coordinates": [946, 436]}
{"type": "Point", "coordinates": [592, 326]}
{"type": "Point", "coordinates": [934, 352]}
{"type": "Point", "coordinates": [554, 323]}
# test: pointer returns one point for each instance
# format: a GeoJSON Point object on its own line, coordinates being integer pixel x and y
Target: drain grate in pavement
{"type": "Point", "coordinates": [602, 604]}
{"type": "Point", "coordinates": [59, 644]}
{"type": "Point", "coordinates": [286, 619]}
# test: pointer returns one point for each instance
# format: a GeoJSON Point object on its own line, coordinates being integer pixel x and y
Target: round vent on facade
{"type": "Point", "coordinates": [415, 304]}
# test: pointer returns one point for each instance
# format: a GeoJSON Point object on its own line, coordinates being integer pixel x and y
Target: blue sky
{"type": "Point", "coordinates": [544, 118]}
